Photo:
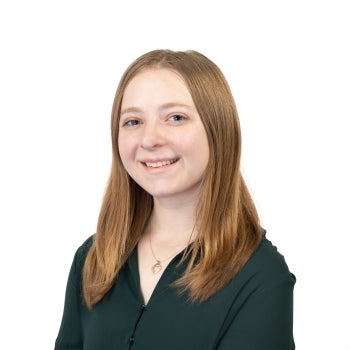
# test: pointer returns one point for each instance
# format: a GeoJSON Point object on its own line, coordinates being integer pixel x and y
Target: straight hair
{"type": "Point", "coordinates": [227, 222]}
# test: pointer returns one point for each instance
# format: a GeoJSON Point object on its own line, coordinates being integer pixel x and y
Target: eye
{"type": "Point", "coordinates": [131, 122]}
{"type": "Point", "coordinates": [177, 118]}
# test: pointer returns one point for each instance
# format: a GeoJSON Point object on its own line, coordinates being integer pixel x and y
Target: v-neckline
{"type": "Point", "coordinates": [169, 275]}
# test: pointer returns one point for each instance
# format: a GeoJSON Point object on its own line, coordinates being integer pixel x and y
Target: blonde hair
{"type": "Point", "coordinates": [226, 218]}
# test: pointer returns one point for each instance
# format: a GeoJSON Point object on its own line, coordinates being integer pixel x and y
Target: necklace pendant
{"type": "Point", "coordinates": [157, 267]}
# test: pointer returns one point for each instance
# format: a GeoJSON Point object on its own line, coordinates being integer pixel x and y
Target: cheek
{"type": "Point", "coordinates": [199, 146]}
{"type": "Point", "coordinates": [203, 153]}
{"type": "Point", "coordinates": [203, 159]}
{"type": "Point", "coordinates": [125, 149]}
{"type": "Point", "coordinates": [196, 151]}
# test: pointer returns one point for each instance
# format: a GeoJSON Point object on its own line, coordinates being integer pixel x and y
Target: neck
{"type": "Point", "coordinates": [172, 224]}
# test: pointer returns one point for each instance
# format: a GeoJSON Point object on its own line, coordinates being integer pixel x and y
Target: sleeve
{"type": "Point", "coordinates": [70, 334]}
{"type": "Point", "coordinates": [264, 321]}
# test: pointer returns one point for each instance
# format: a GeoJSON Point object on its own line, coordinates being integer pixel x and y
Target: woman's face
{"type": "Point", "coordinates": [162, 141]}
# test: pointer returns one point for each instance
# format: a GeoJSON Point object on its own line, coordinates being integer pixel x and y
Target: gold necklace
{"type": "Point", "coordinates": [157, 267]}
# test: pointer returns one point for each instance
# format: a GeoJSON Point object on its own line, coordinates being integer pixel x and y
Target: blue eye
{"type": "Point", "coordinates": [131, 122]}
{"type": "Point", "coordinates": [177, 117]}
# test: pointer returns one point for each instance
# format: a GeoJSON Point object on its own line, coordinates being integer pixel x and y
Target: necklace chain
{"type": "Point", "coordinates": [157, 267]}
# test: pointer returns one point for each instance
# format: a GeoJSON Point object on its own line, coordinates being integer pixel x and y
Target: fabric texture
{"type": "Point", "coordinates": [253, 312]}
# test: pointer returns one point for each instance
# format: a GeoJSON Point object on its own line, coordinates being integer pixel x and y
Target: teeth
{"type": "Point", "coordinates": [160, 164]}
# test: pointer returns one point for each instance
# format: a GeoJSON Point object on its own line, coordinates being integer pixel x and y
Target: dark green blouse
{"type": "Point", "coordinates": [253, 312]}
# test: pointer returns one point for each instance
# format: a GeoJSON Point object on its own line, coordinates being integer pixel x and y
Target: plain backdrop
{"type": "Point", "coordinates": [288, 66]}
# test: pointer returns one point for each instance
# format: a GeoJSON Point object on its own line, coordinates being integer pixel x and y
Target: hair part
{"type": "Point", "coordinates": [227, 223]}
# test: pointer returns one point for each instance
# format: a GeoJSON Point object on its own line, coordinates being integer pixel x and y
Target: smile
{"type": "Point", "coordinates": [160, 164]}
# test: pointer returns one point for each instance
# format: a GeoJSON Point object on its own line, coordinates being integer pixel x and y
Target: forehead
{"type": "Point", "coordinates": [156, 84]}
{"type": "Point", "coordinates": [156, 73]}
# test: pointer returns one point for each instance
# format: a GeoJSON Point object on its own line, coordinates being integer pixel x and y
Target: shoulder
{"type": "Point", "coordinates": [85, 246]}
{"type": "Point", "coordinates": [81, 252]}
{"type": "Point", "coordinates": [267, 266]}
{"type": "Point", "coordinates": [260, 299]}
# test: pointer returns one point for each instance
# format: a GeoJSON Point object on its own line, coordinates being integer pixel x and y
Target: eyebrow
{"type": "Point", "coordinates": [130, 110]}
{"type": "Point", "coordinates": [162, 107]}
{"type": "Point", "coordinates": [175, 104]}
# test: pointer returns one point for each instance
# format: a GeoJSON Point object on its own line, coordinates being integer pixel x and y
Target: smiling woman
{"type": "Point", "coordinates": [179, 260]}
{"type": "Point", "coordinates": [160, 132]}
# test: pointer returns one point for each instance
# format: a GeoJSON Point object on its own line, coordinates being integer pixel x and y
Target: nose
{"type": "Point", "coordinates": [152, 136]}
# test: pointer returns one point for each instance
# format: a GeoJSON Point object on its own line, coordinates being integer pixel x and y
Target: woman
{"type": "Point", "coordinates": [179, 260]}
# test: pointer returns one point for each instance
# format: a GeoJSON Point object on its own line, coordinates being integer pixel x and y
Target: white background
{"type": "Point", "coordinates": [288, 66]}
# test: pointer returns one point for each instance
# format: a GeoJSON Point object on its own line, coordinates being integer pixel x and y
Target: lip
{"type": "Point", "coordinates": [159, 163]}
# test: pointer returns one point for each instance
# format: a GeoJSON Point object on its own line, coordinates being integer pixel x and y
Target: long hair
{"type": "Point", "coordinates": [227, 223]}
